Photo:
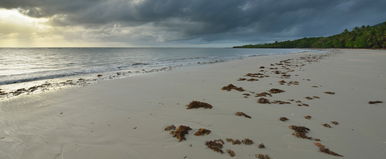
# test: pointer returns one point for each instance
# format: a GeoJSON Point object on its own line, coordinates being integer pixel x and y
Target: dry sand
{"type": "Point", "coordinates": [125, 118]}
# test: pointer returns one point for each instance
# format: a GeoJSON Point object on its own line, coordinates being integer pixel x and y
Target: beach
{"type": "Point", "coordinates": [126, 118]}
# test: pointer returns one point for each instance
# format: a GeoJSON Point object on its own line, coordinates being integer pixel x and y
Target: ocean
{"type": "Point", "coordinates": [28, 67]}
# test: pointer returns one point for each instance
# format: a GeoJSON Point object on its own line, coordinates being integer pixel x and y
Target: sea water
{"type": "Point", "coordinates": [25, 67]}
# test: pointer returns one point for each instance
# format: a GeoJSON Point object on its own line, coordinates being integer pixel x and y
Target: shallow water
{"type": "Point", "coordinates": [23, 66]}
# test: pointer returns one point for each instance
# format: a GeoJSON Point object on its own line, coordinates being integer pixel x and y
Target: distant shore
{"type": "Point", "coordinates": [303, 105]}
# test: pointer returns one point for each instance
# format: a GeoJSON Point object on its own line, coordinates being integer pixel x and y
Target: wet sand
{"type": "Point", "coordinates": [303, 105]}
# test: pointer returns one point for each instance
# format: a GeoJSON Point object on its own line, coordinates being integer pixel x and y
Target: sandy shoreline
{"type": "Point", "coordinates": [125, 118]}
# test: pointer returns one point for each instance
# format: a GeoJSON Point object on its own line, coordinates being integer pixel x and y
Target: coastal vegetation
{"type": "Point", "coordinates": [358, 37]}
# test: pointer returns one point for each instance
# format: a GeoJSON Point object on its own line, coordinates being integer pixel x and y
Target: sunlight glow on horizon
{"type": "Point", "coordinates": [19, 30]}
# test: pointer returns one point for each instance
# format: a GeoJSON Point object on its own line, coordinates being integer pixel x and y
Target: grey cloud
{"type": "Point", "coordinates": [210, 20]}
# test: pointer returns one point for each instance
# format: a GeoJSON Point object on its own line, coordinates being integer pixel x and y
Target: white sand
{"type": "Point", "coordinates": [124, 118]}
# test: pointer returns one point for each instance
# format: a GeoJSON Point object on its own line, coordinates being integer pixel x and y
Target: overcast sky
{"type": "Point", "coordinates": [178, 22]}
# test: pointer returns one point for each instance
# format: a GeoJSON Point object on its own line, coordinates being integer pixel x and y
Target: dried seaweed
{"type": "Point", "coordinates": [170, 127]}
{"type": "Point", "coordinates": [247, 141]}
{"type": "Point", "coordinates": [180, 132]}
{"type": "Point", "coordinates": [323, 149]}
{"type": "Point", "coordinates": [198, 104]}
{"type": "Point", "coordinates": [202, 132]}
{"type": "Point", "coordinates": [231, 153]}
{"type": "Point", "coordinates": [263, 101]}
{"type": "Point", "coordinates": [375, 102]}
{"type": "Point", "coordinates": [242, 114]}
{"type": "Point", "coordinates": [283, 119]}
{"type": "Point", "coordinates": [262, 156]}
{"type": "Point", "coordinates": [275, 91]}
{"type": "Point", "coordinates": [231, 86]}
{"type": "Point", "coordinates": [215, 145]}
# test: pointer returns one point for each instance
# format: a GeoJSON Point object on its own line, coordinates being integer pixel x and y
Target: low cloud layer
{"type": "Point", "coordinates": [157, 22]}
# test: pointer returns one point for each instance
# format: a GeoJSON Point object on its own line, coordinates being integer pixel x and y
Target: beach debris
{"type": "Point", "coordinates": [258, 75]}
{"type": "Point", "coordinates": [231, 86]}
{"type": "Point", "coordinates": [170, 127]}
{"type": "Point", "coordinates": [233, 141]}
{"type": "Point", "coordinates": [293, 83]}
{"type": "Point", "coordinates": [315, 86]}
{"type": "Point", "coordinates": [215, 145]}
{"type": "Point", "coordinates": [241, 79]}
{"type": "Point", "coordinates": [329, 92]}
{"type": "Point", "coordinates": [335, 122]}
{"type": "Point", "coordinates": [231, 153]}
{"type": "Point", "coordinates": [261, 67]}
{"type": "Point", "coordinates": [326, 125]}
{"type": "Point", "coordinates": [19, 91]}
{"type": "Point", "coordinates": [261, 146]}
{"type": "Point", "coordinates": [275, 91]}
{"type": "Point", "coordinates": [262, 156]}
{"type": "Point", "coordinates": [246, 95]}
{"type": "Point", "coordinates": [282, 82]}
{"type": "Point", "coordinates": [309, 98]}
{"type": "Point", "coordinates": [242, 114]}
{"type": "Point", "coordinates": [3, 93]}
{"type": "Point", "coordinates": [316, 97]}
{"type": "Point", "coordinates": [252, 79]}
{"type": "Point", "coordinates": [180, 132]}
{"type": "Point", "coordinates": [300, 131]}
{"type": "Point", "coordinates": [263, 94]}
{"type": "Point", "coordinates": [283, 119]}
{"type": "Point", "coordinates": [263, 101]}
{"type": "Point", "coordinates": [324, 149]}
{"type": "Point", "coordinates": [280, 102]}
{"type": "Point", "coordinates": [247, 141]}
{"type": "Point", "coordinates": [375, 102]}
{"type": "Point", "coordinates": [198, 104]}
{"type": "Point", "coordinates": [99, 75]}
{"type": "Point", "coordinates": [202, 132]}
{"type": "Point", "coordinates": [308, 117]}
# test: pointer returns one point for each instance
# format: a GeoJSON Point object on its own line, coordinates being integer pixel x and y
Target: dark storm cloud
{"type": "Point", "coordinates": [212, 20]}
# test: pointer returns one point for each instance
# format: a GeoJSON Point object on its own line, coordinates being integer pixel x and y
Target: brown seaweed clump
{"type": "Point", "coordinates": [275, 91]}
{"type": "Point", "coordinates": [283, 119]}
{"type": "Point", "coordinates": [170, 127]}
{"type": "Point", "coordinates": [231, 86]}
{"type": "Point", "coordinates": [309, 98]}
{"type": "Point", "coordinates": [215, 145]}
{"type": "Point", "coordinates": [259, 75]}
{"type": "Point", "coordinates": [335, 122]}
{"type": "Point", "coordinates": [293, 83]}
{"type": "Point", "coordinates": [300, 131]}
{"type": "Point", "coordinates": [280, 102]}
{"type": "Point", "coordinates": [262, 156]}
{"type": "Point", "coordinates": [261, 146]}
{"type": "Point", "coordinates": [234, 141]}
{"type": "Point", "coordinates": [308, 117]}
{"type": "Point", "coordinates": [202, 132]}
{"type": "Point", "coordinates": [323, 149]}
{"type": "Point", "coordinates": [282, 82]}
{"type": "Point", "coordinates": [252, 79]}
{"type": "Point", "coordinates": [242, 114]}
{"type": "Point", "coordinates": [247, 141]}
{"type": "Point", "coordinates": [231, 153]}
{"type": "Point", "coordinates": [263, 101]}
{"type": "Point", "coordinates": [375, 102]}
{"type": "Point", "coordinates": [241, 79]}
{"type": "Point", "coordinates": [327, 125]}
{"type": "Point", "coordinates": [198, 104]}
{"type": "Point", "coordinates": [180, 132]}
{"type": "Point", "coordinates": [263, 94]}
{"type": "Point", "coordinates": [329, 92]}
